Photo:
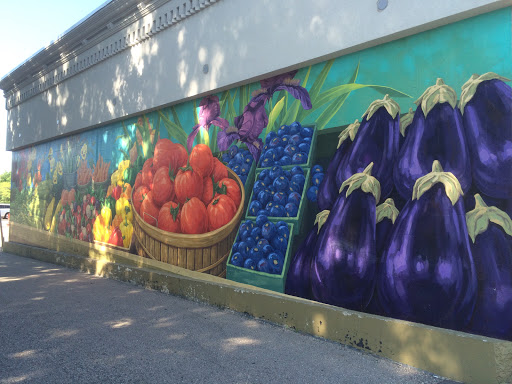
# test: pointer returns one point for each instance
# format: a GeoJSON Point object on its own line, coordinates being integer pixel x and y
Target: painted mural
{"type": "Point", "coordinates": [406, 214]}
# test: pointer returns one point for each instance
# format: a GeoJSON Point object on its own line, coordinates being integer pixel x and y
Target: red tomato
{"type": "Point", "coordinates": [230, 187]}
{"type": "Point", "coordinates": [170, 154]}
{"type": "Point", "coordinates": [149, 210]}
{"type": "Point", "coordinates": [163, 186]}
{"type": "Point", "coordinates": [187, 184]}
{"type": "Point", "coordinates": [138, 196]}
{"type": "Point", "coordinates": [201, 160]}
{"type": "Point", "coordinates": [194, 219]}
{"type": "Point", "coordinates": [147, 173]}
{"type": "Point", "coordinates": [208, 191]}
{"type": "Point", "coordinates": [219, 170]}
{"type": "Point", "coordinates": [138, 181]}
{"type": "Point", "coordinates": [169, 217]}
{"type": "Point", "coordinates": [220, 212]}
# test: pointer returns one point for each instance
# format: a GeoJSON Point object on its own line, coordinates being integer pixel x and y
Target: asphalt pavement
{"type": "Point", "coordinates": [59, 325]}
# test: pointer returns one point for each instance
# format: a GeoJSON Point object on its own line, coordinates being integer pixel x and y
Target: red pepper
{"type": "Point", "coordinates": [93, 200]}
{"type": "Point", "coordinates": [116, 238]}
{"type": "Point", "coordinates": [117, 191]}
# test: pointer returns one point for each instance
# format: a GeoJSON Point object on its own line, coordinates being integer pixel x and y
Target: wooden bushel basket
{"type": "Point", "coordinates": [207, 252]}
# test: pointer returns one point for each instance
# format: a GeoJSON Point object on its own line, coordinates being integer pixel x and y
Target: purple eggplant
{"type": "Point", "coordinates": [405, 121]}
{"type": "Point", "coordinates": [386, 217]}
{"type": "Point", "coordinates": [328, 191]}
{"type": "Point", "coordinates": [490, 230]}
{"type": "Point", "coordinates": [486, 106]}
{"type": "Point", "coordinates": [436, 133]}
{"type": "Point", "coordinates": [427, 272]}
{"type": "Point", "coordinates": [298, 280]}
{"type": "Point", "coordinates": [344, 265]}
{"type": "Point", "coordinates": [377, 142]}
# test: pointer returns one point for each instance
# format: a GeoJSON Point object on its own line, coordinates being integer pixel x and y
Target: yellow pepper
{"type": "Point", "coordinates": [116, 176]}
{"type": "Point", "coordinates": [127, 231]}
{"type": "Point", "coordinates": [124, 209]}
{"type": "Point", "coordinates": [106, 213]}
{"type": "Point", "coordinates": [123, 165]}
{"type": "Point", "coordinates": [100, 230]}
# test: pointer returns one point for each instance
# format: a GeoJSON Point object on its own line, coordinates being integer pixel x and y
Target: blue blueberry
{"type": "Point", "coordinates": [226, 158]}
{"type": "Point", "coordinates": [243, 179]}
{"type": "Point", "coordinates": [291, 210]}
{"type": "Point", "coordinates": [297, 170]}
{"type": "Point", "coordinates": [288, 174]}
{"type": "Point", "coordinates": [275, 142]}
{"type": "Point", "coordinates": [317, 168]}
{"type": "Point", "coordinates": [264, 266]}
{"type": "Point", "coordinates": [307, 140]}
{"type": "Point", "coordinates": [250, 225]}
{"type": "Point", "coordinates": [277, 211]}
{"type": "Point", "coordinates": [256, 233]}
{"type": "Point", "coordinates": [294, 128]}
{"type": "Point", "coordinates": [275, 172]}
{"type": "Point", "coordinates": [268, 181]}
{"type": "Point", "coordinates": [304, 147]}
{"type": "Point", "coordinates": [285, 140]}
{"type": "Point", "coordinates": [264, 197]}
{"type": "Point", "coordinates": [284, 231]}
{"type": "Point", "coordinates": [285, 160]}
{"type": "Point", "coordinates": [317, 179]}
{"type": "Point", "coordinates": [280, 223]}
{"type": "Point", "coordinates": [295, 140]}
{"type": "Point", "coordinates": [244, 170]}
{"type": "Point", "coordinates": [232, 163]}
{"type": "Point", "coordinates": [250, 264]}
{"type": "Point", "coordinates": [248, 160]}
{"type": "Point", "coordinates": [244, 248]}
{"type": "Point", "coordinates": [262, 242]}
{"type": "Point", "coordinates": [290, 150]}
{"type": "Point", "coordinates": [265, 162]}
{"type": "Point", "coordinates": [281, 183]}
{"type": "Point", "coordinates": [283, 130]}
{"type": "Point", "coordinates": [306, 132]}
{"type": "Point", "coordinates": [294, 198]}
{"type": "Point", "coordinates": [300, 158]}
{"type": "Point", "coordinates": [297, 182]}
{"type": "Point", "coordinates": [267, 249]}
{"type": "Point", "coordinates": [270, 136]}
{"type": "Point", "coordinates": [279, 152]}
{"type": "Point", "coordinates": [242, 229]}
{"type": "Point", "coordinates": [270, 154]}
{"type": "Point", "coordinates": [239, 158]}
{"type": "Point", "coordinates": [263, 174]}
{"type": "Point", "coordinates": [269, 206]}
{"type": "Point", "coordinates": [260, 220]}
{"type": "Point", "coordinates": [276, 263]}
{"type": "Point", "coordinates": [256, 253]}
{"type": "Point", "coordinates": [268, 230]}
{"type": "Point", "coordinates": [263, 212]}
{"type": "Point", "coordinates": [280, 198]}
{"type": "Point", "coordinates": [312, 193]}
{"type": "Point", "coordinates": [245, 234]}
{"type": "Point", "coordinates": [233, 150]}
{"type": "Point", "coordinates": [255, 207]}
{"type": "Point", "coordinates": [236, 169]}
{"type": "Point", "coordinates": [237, 259]}
{"type": "Point", "coordinates": [259, 185]}
{"type": "Point", "coordinates": [279, 243]}
{"type": "Point", "coordinates": [250, 242]}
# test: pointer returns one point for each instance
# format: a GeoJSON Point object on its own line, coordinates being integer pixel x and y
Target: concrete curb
{"type": "Point", "coordinates": [455, 355]}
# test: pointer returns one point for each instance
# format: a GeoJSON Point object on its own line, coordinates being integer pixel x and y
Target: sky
{"type": "Point", "coordinates": [28, 26]}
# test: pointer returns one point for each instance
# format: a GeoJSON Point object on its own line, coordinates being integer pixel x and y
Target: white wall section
{"type": "Point", "coordinates": [158, 59]}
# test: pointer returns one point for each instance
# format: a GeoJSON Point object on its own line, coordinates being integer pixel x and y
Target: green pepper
{"type": "Point", "coordinates": [129, 175]}
{"type": "Point", "coordinates": [111, 203]}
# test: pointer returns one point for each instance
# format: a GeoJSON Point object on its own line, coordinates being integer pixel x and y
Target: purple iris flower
{"type": "Point", "coordinates": [250, 124]}
{"type": "Point", "coordinates": [209, 114]}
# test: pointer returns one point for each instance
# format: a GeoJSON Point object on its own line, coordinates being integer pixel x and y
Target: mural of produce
{"type": "Point", "coordinates": [412, 209]}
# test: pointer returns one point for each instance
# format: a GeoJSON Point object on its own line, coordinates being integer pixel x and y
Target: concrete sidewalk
{"type": "Point", "coordinates": [58, 325]}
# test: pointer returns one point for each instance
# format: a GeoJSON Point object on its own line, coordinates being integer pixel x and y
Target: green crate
{"type": "Point", "coordinates": [261, 279]}
{"type": "Point", "coordinates": [311, 156]}
{"type": "Point", "coordinates": [297, 220]}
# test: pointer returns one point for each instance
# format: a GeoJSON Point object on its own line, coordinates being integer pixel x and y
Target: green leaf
{"type": "Point", "coordinates": [126, 155]}
{"type": "Point", "coordinates": [176, 118]}
{"type": "Point", "coordinates": [305, 81]}
{"type": "Point", "coordinates": [196, 118]}
{"type": "Point", "coordinates": [231, 109]}
{"type": "Point", "coordinates": [330, 112]}
{"type": "Point", "coordinates": [291, 114]}
{"type": "Point", "coordinates": [243, 100]}
{"type": "Point", "coordinates": [173, 130]}
{"type": "Point", "coordinates": [273, 115]}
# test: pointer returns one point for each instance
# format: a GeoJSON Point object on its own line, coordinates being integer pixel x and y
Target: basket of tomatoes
{"type": "Point", "coordinates": [186, 209]}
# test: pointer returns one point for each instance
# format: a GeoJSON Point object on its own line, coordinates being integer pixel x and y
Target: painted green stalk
{"type": "Point", "coordinates": [364, 181]}
{"type": "Point", "coordinates": [436, 94]}
{"type": "Point", "coordinates": [451, 184]}
{"type": "Point", "coordinates": [387, 210]}
{"type": "Point", "coordinates": [479, 218]}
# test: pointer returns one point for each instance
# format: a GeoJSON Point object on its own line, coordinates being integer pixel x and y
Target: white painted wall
{"type": "Point", "coordinates": [240, 40]}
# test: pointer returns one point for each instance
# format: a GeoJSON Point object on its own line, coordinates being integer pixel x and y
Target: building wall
{"type": "Point", "coordinates": [241, 42]}
{"type": "Point", "coordinates": [52, 184]}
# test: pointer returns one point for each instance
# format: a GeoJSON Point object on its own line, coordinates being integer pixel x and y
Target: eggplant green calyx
{"type": "Point", "coordinates": [387, 102]}
{"type": "Point", "coordinates": [387, 210]}
{"type": "Point", "coordinates": [470, 86]}
{"type": "Point", "coordinates": [451, 184]}
{"type": "Point", "coordinates": [437, 94]}
{"type": "Point", "coordinates": [350, 131]}
{"type": "Point", "coordinates": [364, 181]}
{"type": "Point", "coordinates": [405, 121]}
{"type": "Point", "coordinates": [321, 218]}
{"type": "Point", "coordinates": [479, 218]}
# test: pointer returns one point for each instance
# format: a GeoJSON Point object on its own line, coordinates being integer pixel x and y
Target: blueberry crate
{"type": "Point", "coordinates": [297, 220]}
{"type": "Point", "coordinates": [312, 152]}
{"type": "Point", "coordinates": [261, 279]}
